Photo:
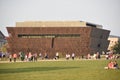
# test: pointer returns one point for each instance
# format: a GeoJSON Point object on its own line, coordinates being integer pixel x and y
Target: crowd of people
{"type": "Point", "coordinates": [29, 56]}
{"type": "Point", "coordinates": [23, 56]}
{"type": "Point", "coordinates": [34, 56]}
{"type": "Point", "coordinates": [68, 56]}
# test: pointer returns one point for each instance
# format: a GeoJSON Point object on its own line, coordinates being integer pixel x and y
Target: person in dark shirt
{"type": "Point", "coordinates": [116, 65]}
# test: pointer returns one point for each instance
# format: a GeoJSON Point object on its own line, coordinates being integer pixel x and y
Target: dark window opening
{"type": "Point", "coordinates": [99, 45]}
{"type": "Point", "coordinates": [52, 45]}
{"type": "Point", "coordinates": [48, 35]}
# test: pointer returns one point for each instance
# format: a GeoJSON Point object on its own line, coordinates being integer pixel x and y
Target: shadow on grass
{"type": "Point", "coordinates": [32, 69]}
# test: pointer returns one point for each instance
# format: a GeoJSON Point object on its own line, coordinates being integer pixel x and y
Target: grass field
{"type": "Point", "coordinates": [58, 70]}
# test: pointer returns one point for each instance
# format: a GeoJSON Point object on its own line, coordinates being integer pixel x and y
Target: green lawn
{"type": "Point", "coordinates": [58, 70]}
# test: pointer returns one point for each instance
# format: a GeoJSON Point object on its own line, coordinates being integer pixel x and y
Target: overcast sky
{"type": "Point", "coordinates": [103, 12]}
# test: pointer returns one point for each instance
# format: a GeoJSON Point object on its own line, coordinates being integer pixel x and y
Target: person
{"type": "Point", "coordinates": [67, 56]}
{"type": "Point", "coordinates": [30, 56]}
{"type": "Point", "coordinates": [112, 65]}
{"type": "Point", "coordinates": [40, 56]}
{"type": "Point", "coordinates": [26, 57]}
{"type": "Point", "coordinates": [57, 55]}
{"type": "Point", "coordinates": [22, 55]}
{"type": "Point", "coordinates": [107, 57]}
{"type": "Point", "coordinates": [10, 57]}
{"type": "Point", "coordinates": [73, 56]}
{"type": "Point", "coordinates": [35, 57]}
{"type": "Point", "coordinates": [14, 57]}
{"type": "Point", "coordinates": [46, 56]}
{"type": "Point", "coordinates": [116, 65]}
{"type": "Point", "coordinates": [88, 56]}
{"type": "Point", "coordinates": [97, 55]}
{"type": "Point", "coordinates": [94, 56]}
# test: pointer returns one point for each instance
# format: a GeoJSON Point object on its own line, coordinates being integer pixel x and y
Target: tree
{"type": "Point", "coordinates": [116, 47]}
{"type": "Point", "coordinates": [4, 48]}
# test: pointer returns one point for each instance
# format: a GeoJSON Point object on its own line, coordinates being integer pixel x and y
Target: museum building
{"type": "Point", "coordinates": [49, 37]}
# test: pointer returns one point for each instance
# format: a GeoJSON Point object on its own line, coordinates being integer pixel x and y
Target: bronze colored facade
{"type": "Point", "coordinates": [78, 40]}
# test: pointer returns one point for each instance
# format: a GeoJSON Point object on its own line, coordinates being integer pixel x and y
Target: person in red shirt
{"type": "Point", "coordinates": [14, 57]}
{"type": "Point", "coordinates": [110, 65]}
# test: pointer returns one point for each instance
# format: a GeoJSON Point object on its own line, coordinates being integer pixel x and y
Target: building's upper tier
{"type": "Point", "coordinates": [56, 24]}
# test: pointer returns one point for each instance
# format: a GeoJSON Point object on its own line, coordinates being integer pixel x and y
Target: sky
{"type": "Point", "coordinates": [102, 12]}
